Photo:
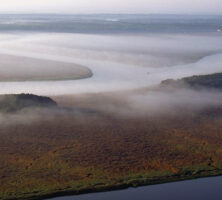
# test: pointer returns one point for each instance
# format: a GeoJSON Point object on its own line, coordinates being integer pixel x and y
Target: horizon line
{"type": "Point", "coordinates": [60, 13]}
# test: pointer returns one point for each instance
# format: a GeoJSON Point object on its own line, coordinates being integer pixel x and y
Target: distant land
{"type": "Point", "coordinates": [20, 69]}
{"type": "Point", "coordinates": [16, 102]}
{"type": "Point", "coordinates": [213, 81]}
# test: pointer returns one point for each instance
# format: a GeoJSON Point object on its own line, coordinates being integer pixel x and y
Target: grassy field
{"type": "Point", "coordinates": [85, 150]}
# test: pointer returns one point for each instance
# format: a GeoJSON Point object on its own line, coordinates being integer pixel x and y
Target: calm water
{"type": "Point", "coordinates": [123, 51]}
{"type": "Point", "coordinates": [111, 23]}
{"type": "Point", "coordinates": [199, 189]}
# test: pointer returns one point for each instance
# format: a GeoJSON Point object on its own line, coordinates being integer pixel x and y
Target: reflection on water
{"type": "Point", "coordinates": [199, 189]}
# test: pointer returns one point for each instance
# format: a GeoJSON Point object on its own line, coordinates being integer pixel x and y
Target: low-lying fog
{"type": "Point", "coordinates": [147, 103]}
{"type": "Point", "coordinates": [117, 62]}
{"type": "Point", "coordinates": [48, 63]}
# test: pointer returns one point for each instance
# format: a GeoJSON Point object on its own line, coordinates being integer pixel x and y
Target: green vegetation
{"type": "Point", "coordinates": [73, 153]}
{"type": "Point", "coordinates": [16, 102]}
{"type": "Point", "coordinates": [66, 155]}
{"type": "Point", "coordinates": [208, 81]}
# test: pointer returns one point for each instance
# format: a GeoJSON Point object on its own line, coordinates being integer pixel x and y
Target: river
{"type": "Point", "coordinates": [198, 189]}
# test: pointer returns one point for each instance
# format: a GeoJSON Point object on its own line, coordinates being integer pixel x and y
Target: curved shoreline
{"type": "Point", "coordinates": [108, 78]}
{"type": "Point", "coordinates": [112, 78]}
{"type": "Point", "coordinates": [71, 78]}
{"type": "Point", "coordinates": [23, 69]}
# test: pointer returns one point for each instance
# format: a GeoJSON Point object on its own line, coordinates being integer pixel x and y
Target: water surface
{"type": "Point", "coordinates": [199, 189]}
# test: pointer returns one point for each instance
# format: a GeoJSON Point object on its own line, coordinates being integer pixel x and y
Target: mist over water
{"type": "Point", "coordinates": [119, 59]}
{"type": "Point", "coordinates": [104, 72]}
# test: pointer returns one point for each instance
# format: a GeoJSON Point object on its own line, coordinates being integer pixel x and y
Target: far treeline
{"type": "Point", "coordinates": [207, 81]}
{"type": "Point", "coordinates": [15, 102]}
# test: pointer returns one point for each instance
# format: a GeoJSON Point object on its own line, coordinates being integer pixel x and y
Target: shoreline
{"type": "Point", "coordinates": [133, 184]}
{"type": "Point", "coordinates": [18, 68]}
{"type": "Point", "coordinates": [89, 75]}
{"type": "Point", "coordinates": [176, 160]}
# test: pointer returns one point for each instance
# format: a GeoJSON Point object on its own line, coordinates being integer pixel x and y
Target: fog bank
{"type": "Point", "coordinates": [118, 62]}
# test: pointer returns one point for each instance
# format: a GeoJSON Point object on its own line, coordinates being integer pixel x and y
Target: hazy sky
{"type": "Point", "coordinates": [113, 6]}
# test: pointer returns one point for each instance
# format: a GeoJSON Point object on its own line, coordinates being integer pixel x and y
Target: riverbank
{"type": "Point", "coordinates": [100, 142]}
{"type": "Point", "coordinates": [202, 188]}
{"type": "Point", "coordinates": [134, 183]}
{"type": "Point", "coordinates": [42, 159]}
